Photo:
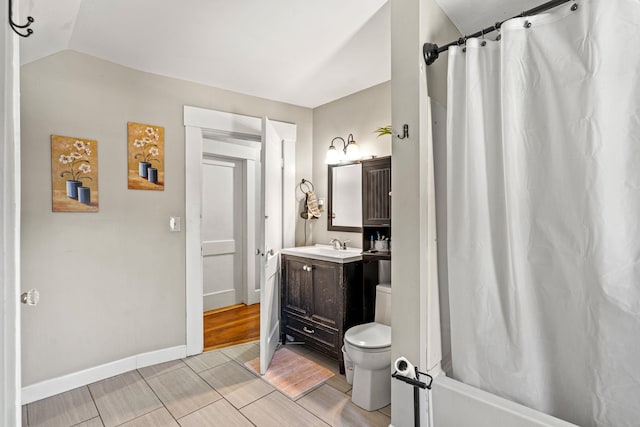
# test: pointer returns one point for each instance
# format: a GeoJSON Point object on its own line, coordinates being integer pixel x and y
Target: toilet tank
{"type": "Point", "coordinates": [383, 304]}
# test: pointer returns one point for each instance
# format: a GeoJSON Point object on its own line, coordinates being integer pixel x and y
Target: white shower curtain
{"type": "Point", "coordinates": [543, 222]}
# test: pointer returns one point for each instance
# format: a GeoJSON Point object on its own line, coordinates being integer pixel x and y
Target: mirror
{"type": "Point", "coordinates": [345, 197]}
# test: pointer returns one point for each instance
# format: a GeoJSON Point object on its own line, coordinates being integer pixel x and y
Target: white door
{"type": "Point", "coordinates": [223, 278]}
{"type": "Point", "coordinates": [271, 205]}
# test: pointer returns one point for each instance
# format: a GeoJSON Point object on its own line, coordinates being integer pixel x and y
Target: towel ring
{"type": "Point", "coordinates": [308, 186]}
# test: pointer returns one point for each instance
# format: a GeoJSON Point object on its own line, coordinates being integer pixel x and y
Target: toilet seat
{"type": "Point", "coordinates": [369, 336]}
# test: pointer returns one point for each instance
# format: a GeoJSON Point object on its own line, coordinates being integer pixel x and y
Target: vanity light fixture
{"type": "Point", "coordinates": [350, 151]}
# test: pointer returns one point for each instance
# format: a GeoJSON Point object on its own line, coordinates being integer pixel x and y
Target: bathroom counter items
{"type": "Point", "coordinates": [320, 301]}
{"type": "Point", "coordinates": [325, 253]}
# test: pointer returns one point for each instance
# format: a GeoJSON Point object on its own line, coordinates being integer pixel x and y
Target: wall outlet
{"type": "Point", "coordinates": [174, 223]}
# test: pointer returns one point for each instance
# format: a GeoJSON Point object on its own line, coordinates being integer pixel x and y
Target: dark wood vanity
{"type": "Point", "coordinates": [315, 297]}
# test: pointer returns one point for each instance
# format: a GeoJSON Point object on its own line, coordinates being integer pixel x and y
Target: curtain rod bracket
{"type": "Point", "coordinates": [430, 52]}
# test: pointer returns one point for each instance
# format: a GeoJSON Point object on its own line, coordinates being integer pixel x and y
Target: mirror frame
{"type": "Point", "coordinates": [330, 226]}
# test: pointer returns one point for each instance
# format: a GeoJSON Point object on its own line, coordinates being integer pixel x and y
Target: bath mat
{"type": "Point", "coordinates": [292, 374]}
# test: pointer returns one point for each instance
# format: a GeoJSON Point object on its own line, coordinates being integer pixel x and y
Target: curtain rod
{"type": "Point", "coordinates": [431, 51]}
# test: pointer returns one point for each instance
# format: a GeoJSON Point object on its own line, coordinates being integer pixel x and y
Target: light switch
{"type": "Point", "coordinates": [174, 223]}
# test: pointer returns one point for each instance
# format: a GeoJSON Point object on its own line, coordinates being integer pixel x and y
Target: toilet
{"type": "Point", "coordinates": [369, 347]}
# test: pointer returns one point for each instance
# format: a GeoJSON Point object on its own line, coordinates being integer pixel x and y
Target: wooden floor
{"type": "Point", "coordinates": [231, 325]}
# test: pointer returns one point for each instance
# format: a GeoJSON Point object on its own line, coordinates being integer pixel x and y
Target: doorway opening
{"type": "Point", "coordinates": [230, 314]}
{"type": "Point", "coordinates": [226, 142]}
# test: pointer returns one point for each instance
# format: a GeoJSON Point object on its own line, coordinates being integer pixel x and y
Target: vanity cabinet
{"type": "Point", "coordinates": [376, 192]}
{"type": "Point", "coordinates": [320, 301]}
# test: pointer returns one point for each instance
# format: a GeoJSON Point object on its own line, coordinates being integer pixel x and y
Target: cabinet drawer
{"type": "Point", "coordinates": [312, 331]}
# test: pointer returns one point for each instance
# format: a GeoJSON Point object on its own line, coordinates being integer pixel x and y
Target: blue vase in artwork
{"type": "Point", "coordinates": [84, 195]}
{"type": "Point", "coordinates": [143, 169]}
{"type": "Point", "coordinates": [152, 175]}
{"type": "Point", "coordinates": [72, 188]}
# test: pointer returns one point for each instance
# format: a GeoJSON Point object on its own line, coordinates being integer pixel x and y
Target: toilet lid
{"type": "Point", "coordinates": [369, 335]}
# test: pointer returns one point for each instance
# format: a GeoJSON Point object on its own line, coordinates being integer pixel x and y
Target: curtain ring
{"type": "Point", "coordinates": [574, 7]}
{"type": "Point", "coordinates": [527, 24]}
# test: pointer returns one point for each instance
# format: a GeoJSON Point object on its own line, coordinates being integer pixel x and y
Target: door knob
{"type": "Point", "coordinates": [270, 252]}
{"type": "Point", "coordinates": [31, 297]}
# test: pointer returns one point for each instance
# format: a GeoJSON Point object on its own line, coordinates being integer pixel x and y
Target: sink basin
{"type": "Point", "coordinates": [326, 253]}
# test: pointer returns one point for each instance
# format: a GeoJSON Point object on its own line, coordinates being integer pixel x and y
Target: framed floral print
{"type": "Point", "coordinates": [74, 174]}
{"type": "Point", "coordinates": [145, 164]}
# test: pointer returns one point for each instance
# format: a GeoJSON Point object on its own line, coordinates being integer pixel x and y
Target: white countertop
{"type": "Point", "coordinates": [326, 253]}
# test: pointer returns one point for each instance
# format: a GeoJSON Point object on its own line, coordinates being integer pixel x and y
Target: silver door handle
{"type": "Point", "coordinates": [258, 252]}
{"type": "Point", "coordinates": [270, 252]}
{"type": "Point", "coordinates": [309, 331]}
{"type": "Point", "coordinates": [31, 297]}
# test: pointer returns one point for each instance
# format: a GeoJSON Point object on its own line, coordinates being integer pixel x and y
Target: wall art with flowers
{"type": "Point", "coordinates": [145, 156]}
{"type": "Point", "coordinates": [74, 174]}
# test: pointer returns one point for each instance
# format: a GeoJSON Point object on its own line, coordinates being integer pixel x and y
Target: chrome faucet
{"type": "Point", "coordinates": [337, 244]}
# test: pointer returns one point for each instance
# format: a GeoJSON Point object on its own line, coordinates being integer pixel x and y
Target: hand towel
{"type": "Point", "coordinates": [312, 205]}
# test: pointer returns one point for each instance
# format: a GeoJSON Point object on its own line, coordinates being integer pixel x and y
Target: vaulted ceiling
{"type": "Point", "coordinates": [304, 52]}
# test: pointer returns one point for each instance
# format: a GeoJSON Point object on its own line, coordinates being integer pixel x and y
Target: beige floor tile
{"type": "Point", "coordinates": [158, 418]}
{"type": "Point", "coordinates": [243, 352]}
{"type": "Point", "coordinates": [336, 409]}
{"type": "Point", "coordinates": [123, 398]}
{"type": "Point", "coordinates": [386, 410]}
{"type": "Point", "coordinates": [162, 368]}
{"type": "Point", "coordinates": [93, 422]}
{"type": "Point", "coordinates": [218, 414]}
{"type": "Point", "coordinates": [236, 383]}
{"type": "Point", "coordinates": [65, 409]}
{"type": "Point", "coordinates": [207, 360]}
{"type": "Point", "coordinates": [277, 410]}
{"type": "Point", "coordinates": [182, 391]}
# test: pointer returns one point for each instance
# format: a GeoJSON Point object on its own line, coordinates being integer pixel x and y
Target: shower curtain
{"type": "Point", "coordinates": [543, 202]}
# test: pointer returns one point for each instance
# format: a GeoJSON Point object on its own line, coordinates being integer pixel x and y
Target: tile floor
{"type": "Point", "coordinates": [211, 389]}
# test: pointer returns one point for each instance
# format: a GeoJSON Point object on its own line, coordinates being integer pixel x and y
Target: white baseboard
{"type": "Point", "coordinates": [47, 388]}
{"type": "Point", "coordinates": [219, 299]}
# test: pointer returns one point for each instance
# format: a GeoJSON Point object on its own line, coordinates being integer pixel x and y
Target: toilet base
{"type": "Point", "coordinates": [371, 388]}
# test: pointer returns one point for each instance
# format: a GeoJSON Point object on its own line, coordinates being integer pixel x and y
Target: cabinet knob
{"type": "Point", "coordinates": [307, 330]}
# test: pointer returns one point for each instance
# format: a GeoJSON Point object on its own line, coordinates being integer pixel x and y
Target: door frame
{"type": "Point", "coordinates": [10, 364]}
{"type": "Point", "coordinates": [235, 136]}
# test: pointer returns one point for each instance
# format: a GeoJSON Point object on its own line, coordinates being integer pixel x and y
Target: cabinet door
{"type": "Point", "coordinates": [297, 284]}
{"type": "Point", "coordinates": [376, 192]}
{"type": "Point", "coordinates": [327, 293]}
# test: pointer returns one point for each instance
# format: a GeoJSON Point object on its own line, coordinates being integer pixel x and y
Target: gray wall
{"type": "Point", "coordinates": [359, 114]}
{"type": "Point", "coordinates": [112, 283]}
{"type": "Point", "coordinates": [413, 22]}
